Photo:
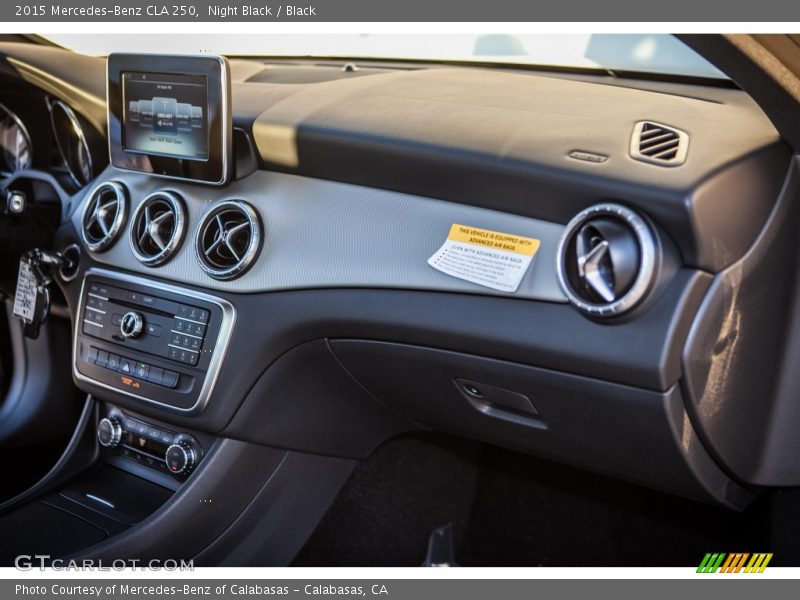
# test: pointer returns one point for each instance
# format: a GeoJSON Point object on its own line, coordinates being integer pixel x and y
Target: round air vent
{"type": "Point", "coordinates": [607, 260]}
{"type": "Point", "coordinates": [228, 239]}
{"type": "Point", "coordinates": [158, 228]}
{"type": "Point", "coordinates": [104, 216]}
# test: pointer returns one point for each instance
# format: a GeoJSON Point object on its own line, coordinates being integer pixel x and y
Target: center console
{"type": "Point", "coordinates": [155, 342]}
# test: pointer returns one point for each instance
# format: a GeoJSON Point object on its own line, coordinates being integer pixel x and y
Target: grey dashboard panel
{"type": "Point", "coordinates": [323, 234]}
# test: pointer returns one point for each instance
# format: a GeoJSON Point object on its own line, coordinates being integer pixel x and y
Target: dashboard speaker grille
{"type": "Point", "coordinates": [158, 228]}
{"type": "Point", "coordinates": [228, 239]}
{"type": "Point", "coordinates": [659, 144]}
{"type": "Point", "coordinates": [104, 216]}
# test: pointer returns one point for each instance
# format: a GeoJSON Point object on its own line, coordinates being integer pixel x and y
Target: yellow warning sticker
{"type": "Point", "coordinates": [493, 259]}
{"type": "Point", "coordinates": [494, 239]}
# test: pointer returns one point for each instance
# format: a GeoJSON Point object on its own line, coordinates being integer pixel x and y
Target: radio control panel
{"type": "Point", "coordinates": [151, 341]}
{"type": "Point", "coordinates": [154, 324]}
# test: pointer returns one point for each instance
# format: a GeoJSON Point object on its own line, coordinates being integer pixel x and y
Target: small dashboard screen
{"type": "Point", "coordinates": [165, 115]}
{"type": "Point", "coordinates": [170, 115]}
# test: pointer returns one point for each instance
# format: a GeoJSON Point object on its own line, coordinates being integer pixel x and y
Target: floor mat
{"type": "Point", "coordinates": [534, 512]}
{"type": "Point", "coordinates": [393, 501]}
{"type": "Point", "coordinates": [509, 509]}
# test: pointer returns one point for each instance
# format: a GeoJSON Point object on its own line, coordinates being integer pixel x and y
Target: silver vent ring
{"type": "Point", "coordinates": [215, 234]}
{"type": "Point", "coordinates": [647, 260]}
{"type": "Point", "coordinates": [146, 228]}
{"type": "Point", "coordinates": [104, 215]}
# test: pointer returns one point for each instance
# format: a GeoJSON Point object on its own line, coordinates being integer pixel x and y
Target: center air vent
{"type": "Point", "coordinates": [607, 260]}
{"type": "Point", "coordinates": [104, 216]}
{"type": "Point", "coordinates": [158, 228]}
{"type": "Point", "coordinates": [228, 239]}
{"type": "Point", "coordinates": [659, 144]}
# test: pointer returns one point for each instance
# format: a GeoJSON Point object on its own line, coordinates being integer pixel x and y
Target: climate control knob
{"type": "Point", "coordinates": [180, 459]}
{"type": "Point", "coordinates": [109, 432]}
{"type": "Point", "coordinates": [131, 324]}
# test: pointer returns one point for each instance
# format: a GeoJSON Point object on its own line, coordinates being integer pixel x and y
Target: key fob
{"type": "Point", "coordinates": [32, 297]}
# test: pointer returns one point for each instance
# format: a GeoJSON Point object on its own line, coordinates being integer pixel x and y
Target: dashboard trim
{"type": "Point", "coordinates": [217, 358]}
{"type": "Point", "coordinates": [79, 133]}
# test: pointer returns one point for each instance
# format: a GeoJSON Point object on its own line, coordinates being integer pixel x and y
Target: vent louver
{"type": "Point", "coordinates": [104, 216]}
{"type": "Point", "coordinates": [228, 239]}
{"type": "Point", "coordinates": [607, 260]}
{"type": "Point", "coordinates": [659, 144]}
{"type": "Point", "coordinates": [158, 228]}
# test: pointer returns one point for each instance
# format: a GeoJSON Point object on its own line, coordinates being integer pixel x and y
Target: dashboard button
{"type": "Point", "coordinates": [96, 302]}
{"type": "Point", "coordinates": [92, 356]}
{"type": "Point", "coordinates": [170, 379]}
{"type": "Point", "coordinates": [141, 370]}
{"type": "Point", "coordinates": [202, 315]}
{"type": "Point", "coordinates": [154, 329]}
{"type": "Point", "coordinates": [102, 358]}
{"type": "Point", "coordinates": [156, 375]}
{"type": "Point", "coordinates": [125, 366]}
{"type": "Point", "coordinates": [116, 318]}
{"type": "Point", "coordinates": [94, 316]}
{"type": "Point", "coordinates": [113, 362]}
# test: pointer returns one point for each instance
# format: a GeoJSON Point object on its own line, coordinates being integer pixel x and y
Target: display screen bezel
{"type": "Point", "coordinates": [214, 170]}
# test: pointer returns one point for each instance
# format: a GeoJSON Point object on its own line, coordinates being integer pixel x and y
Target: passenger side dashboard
{"type": "Point", "coordinates": [335, 334]}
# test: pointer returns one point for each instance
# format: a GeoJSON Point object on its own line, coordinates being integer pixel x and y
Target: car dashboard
{"type": "Point", "coordinates": [294, 309]}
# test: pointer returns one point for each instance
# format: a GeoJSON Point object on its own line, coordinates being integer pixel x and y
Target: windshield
{"type": "Point", "coordinates": [649, 53]}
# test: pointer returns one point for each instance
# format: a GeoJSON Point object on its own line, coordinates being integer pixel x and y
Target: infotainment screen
{"type": "Point", "coordinates": [165, 115]}
{"type": "Point", "coordinates": [169, 115]}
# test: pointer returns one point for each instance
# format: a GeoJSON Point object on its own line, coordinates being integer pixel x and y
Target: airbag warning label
{"type": "Point", "coordinates": [490, 258]}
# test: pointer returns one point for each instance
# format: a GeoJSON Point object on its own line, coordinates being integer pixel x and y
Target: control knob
{"type": "Point", "coordinates": [131, 324]}
{"type": "Point", "coordinates": [180, 458]}
{"type": "Point", "coordinates": [109, 432]}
